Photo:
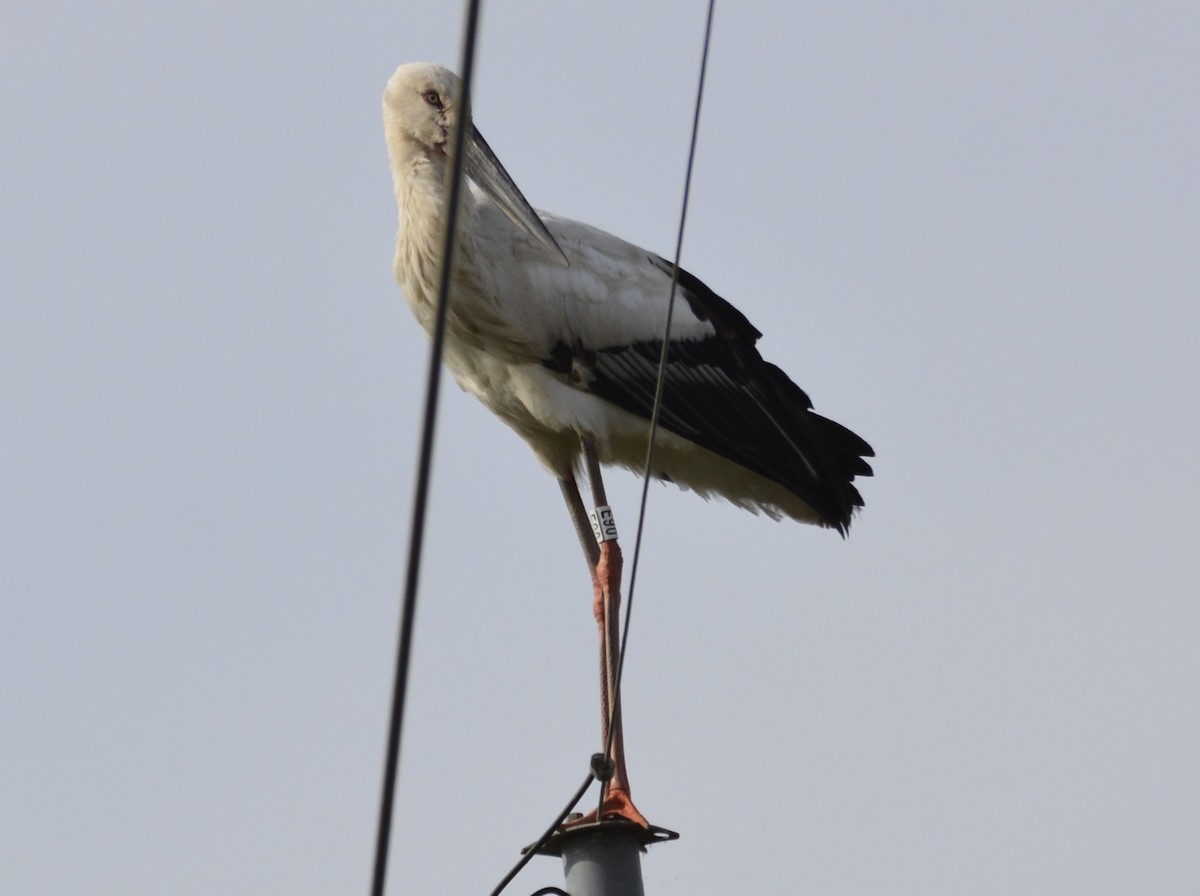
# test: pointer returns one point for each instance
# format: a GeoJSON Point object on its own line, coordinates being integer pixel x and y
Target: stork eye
{"type": "Point", "coordinates": [431, 97]}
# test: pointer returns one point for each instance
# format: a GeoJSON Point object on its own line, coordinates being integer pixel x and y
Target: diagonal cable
{"type": "Point", "coordinates": [424, 465]}
{"type": "Point", "coordinates": [656, 409]}
{"type": "Point", "coordinates": [545, 838]}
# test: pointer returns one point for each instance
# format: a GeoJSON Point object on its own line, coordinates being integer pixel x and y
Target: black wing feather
{"type": "Point", "coordinates": [720, 394]}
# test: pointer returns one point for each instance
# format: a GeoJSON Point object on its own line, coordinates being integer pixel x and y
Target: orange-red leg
{"type": "Point", "coordinates": [605, 563]}
{"type": "Point", "coordinates": [617, 799]}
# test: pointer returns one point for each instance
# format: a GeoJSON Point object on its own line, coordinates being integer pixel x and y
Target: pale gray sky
{"type": "Point", "coordinates": [970, 232]}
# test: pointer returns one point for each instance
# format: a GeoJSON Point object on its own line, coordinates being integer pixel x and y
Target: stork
{"type": "Point", "coordinates": [558, 328]}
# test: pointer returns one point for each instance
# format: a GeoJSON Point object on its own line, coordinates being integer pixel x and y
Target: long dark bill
{"type": "Point", "coordinates": [485, 169]}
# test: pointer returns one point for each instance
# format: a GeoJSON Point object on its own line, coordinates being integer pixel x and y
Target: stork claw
{"type": "Point", "coordinates": [618, 804]}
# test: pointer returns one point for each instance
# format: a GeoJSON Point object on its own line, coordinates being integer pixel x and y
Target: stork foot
{"type": "Point", "coordinates": [617, 805]}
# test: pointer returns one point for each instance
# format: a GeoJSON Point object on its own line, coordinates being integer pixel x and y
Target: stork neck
{"type": "Point", "coordinates": [421, 200]}
{"type": "Point", "coordinates": [420, 183]}
{"type": "Point", "coordinates": [418, 176]}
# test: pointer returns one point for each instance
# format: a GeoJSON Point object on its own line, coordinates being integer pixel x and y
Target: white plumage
{"type": "Point", "coordinates": [565, 350]}
{"type": "Point", "coordinates": [558, 328]}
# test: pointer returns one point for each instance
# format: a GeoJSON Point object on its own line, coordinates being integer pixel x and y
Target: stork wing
{"type": "Point", "coordinates": [720, 394]}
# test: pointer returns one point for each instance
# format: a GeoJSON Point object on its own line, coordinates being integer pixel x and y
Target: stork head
{"type": "Point", "coordinates": [422, 104]}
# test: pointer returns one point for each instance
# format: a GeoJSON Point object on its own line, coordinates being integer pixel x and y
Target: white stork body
{"type": "Point", "coordinates": [558, 328]}
{"type": "Point", "coordinates": [560, 351]}
{"type": "Point", "coordinates": [522, 305]}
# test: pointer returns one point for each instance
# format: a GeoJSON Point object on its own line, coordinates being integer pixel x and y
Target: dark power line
{"type": "Point", "coordinates": [424, 465]}
{"type": "Point", "coordinates": [662, 369]}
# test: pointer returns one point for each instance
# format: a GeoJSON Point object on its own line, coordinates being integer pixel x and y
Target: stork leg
{"type": "Point", "coordinates": [605, 562]}
{"type": "Point", "coordinates": [579, 516]}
